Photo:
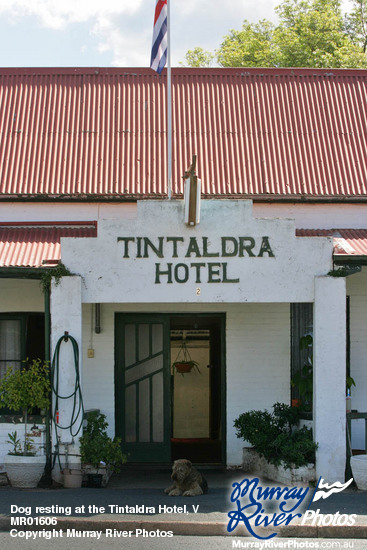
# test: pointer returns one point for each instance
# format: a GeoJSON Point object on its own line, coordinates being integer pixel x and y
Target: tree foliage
{"type": "Point", "coordinates": [356, 24]}
{"type": "Point", "coordinates": [27, 388]}
{"type": "Point", "coordinates": [198, 57]}
{"type": "Point", "coordinates": [310, 33]}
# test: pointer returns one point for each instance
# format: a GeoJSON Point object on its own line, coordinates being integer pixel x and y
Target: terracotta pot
{"type": "Point", "coordinates": [183, 367]}
{"type": "Point", "coordinates": [296, 402]}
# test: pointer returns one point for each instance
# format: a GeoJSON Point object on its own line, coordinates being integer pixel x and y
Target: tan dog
{"type": "Point", "coordinates": [187, 481]}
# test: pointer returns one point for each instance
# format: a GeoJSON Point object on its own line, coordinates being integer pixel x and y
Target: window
{"type": "Point", "coordinates": [11, 343]}
{"type": "Point", "coordinates": [22, 336]}
{"type": "Point", "coordinates": [301, 326]}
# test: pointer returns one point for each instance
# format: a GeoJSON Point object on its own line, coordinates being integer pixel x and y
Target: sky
{"type": "Point", "coordinates": [113, 33]}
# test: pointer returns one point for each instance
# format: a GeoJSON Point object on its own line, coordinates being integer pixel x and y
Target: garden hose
{"type": "Point", "coordinates": [76, 395]}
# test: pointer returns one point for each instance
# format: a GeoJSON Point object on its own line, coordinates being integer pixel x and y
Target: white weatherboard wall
{"type": "Point", "coordinates": [257, 359]}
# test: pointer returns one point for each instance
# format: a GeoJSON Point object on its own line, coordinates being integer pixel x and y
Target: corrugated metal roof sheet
{"type": "Point", "coordinates": [347, 242]}
{"type": "Point", "coordinates": [37, 245]}
{"type": "Point", "coordinates": [274, 133]}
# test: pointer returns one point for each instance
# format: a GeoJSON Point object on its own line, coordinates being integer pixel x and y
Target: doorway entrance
{"type": "Point", "coordinates": [162, 414]}
{"type": "Point", "coordinates": [197, 396]}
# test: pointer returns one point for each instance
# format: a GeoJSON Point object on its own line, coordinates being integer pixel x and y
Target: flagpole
{"type": "Point", "coordinates": [169, 104]}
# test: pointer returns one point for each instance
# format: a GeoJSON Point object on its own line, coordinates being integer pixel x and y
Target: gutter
{"type": "Point", "coordinates": [134, 197]}
{"type": "Point", "coordinates": [350, 260]}
{"type": "Point", "coordinates": [21, 272]}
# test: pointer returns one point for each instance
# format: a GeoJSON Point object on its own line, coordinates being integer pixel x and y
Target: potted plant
{"type": "Point", "coordinates": [276, 436]}
{"type": "Point", "coordinates": [25, 390]}
{"type": "Point", "coordinates": [184, 363]}
{"type": "Point", "coordinates": [98, 450]}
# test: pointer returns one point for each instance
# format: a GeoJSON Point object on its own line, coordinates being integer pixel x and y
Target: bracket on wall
{"type": "Point", "coordinates": [192, 195]}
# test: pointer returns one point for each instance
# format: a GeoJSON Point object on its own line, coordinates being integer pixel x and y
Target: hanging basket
{"type": "Point", "coordinates": [184, 364]}
{"type": "Point", "coordinates": [183, 367]}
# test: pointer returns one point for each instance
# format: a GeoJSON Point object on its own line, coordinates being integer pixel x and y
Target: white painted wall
{"type": "Point", "coordinates": [308, 216]}
{"type": "Point", "coordinates": [61, 211]}
{"type": "Point", "coordinates": [20, 295]}
{"type": "Point", "coordinates": [316, 216]}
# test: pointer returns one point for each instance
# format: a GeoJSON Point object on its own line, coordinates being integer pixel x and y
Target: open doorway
{"type": "Point", "coordinates": [196, 396]}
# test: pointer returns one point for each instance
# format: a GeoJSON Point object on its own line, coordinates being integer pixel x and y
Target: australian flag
{"type": "Point", "coordinates": [159, 46]}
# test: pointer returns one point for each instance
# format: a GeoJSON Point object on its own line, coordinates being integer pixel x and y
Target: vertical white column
{"type": "Point", "coordinates": [329, 378]}
{"type": "Point", "coordinates": [66, 315]}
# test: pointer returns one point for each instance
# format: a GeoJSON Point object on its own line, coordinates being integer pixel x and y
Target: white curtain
{"type": "Point", "coordinates": [10, 345]}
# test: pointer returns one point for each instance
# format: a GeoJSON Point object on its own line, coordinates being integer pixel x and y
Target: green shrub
{"type": "Point", "coordinates": [25, 390]}
{"type": "Point", "coordinates": [96, 446]}
{"type": "Point", "coordinates": [276, 437]}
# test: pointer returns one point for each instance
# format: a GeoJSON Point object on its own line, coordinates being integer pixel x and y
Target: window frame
{"type": "Point", "coordinates": [23, 318]}
{"type": "Point", "coordinates": [301, 324]}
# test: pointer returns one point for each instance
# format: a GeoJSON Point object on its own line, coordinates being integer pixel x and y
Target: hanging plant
{"type": "Point", "coordinates": [184, 364]}
{"type": "Point", "coordinates": [55, 273]}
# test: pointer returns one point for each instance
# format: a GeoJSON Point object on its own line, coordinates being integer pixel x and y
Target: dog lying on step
{"type": "Point", "coordinates": [187, 481]}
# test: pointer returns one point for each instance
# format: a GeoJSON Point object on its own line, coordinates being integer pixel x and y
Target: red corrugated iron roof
{"type": "Point", "coordinates": [38, 244]}
{"type": "Point", "coordinates": [347, 242]}
{"type": "Point", "coordinates": [262, 133]}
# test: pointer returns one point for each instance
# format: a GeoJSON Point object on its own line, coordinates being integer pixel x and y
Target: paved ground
{"type": "Point", "coordinates": [135, 500]}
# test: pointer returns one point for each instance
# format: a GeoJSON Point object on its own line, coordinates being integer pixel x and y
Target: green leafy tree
{"type": "Point", "coordinates": [356, 24]}
{"type": "Point", "coordinates": [198, 57]}
{"type": "Point", "coordinates": [252, 46]}
{"type": "Point", "coordinates": [310, 33]}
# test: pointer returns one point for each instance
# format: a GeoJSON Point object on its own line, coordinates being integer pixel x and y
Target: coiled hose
{"type": "Point", "coordinates": [76, 395]}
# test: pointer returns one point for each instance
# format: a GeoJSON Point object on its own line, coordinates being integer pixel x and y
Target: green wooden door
{"type": "Point", "coordinates": [143, 386]}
